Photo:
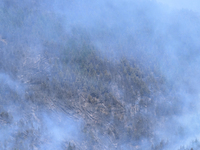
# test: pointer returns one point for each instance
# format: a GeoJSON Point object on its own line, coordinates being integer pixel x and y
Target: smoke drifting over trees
{"type": "Point", "coordinates": [80, 75]}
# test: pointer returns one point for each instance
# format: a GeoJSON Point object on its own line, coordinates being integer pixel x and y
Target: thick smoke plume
{"type": "Point", "coordinates": [98, 74]}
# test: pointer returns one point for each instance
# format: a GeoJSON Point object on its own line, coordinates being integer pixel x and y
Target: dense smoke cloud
{"type": "Point", "coordinates": [98, 75]}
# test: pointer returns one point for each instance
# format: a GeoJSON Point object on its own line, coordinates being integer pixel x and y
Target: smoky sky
{"type": "Point", "coordinates": [36, 37]}
{"type": "Point", "coordinates": [185, 4]}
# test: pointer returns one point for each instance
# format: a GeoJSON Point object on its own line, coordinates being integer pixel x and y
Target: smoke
{"type": "Point", "coordinates": [99, 75]}
{"type": "Point", "coordinates": [177, 4]}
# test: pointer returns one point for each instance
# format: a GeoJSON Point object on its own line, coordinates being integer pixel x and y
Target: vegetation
{"type": "Point", "coordinates": [121, 100]}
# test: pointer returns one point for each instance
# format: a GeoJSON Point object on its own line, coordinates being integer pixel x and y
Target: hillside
{"type": "Point", "coordinates": [98, 75]}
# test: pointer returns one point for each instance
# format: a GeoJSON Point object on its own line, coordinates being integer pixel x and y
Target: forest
{"type": "Point", "coordinates": [98, 75]}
